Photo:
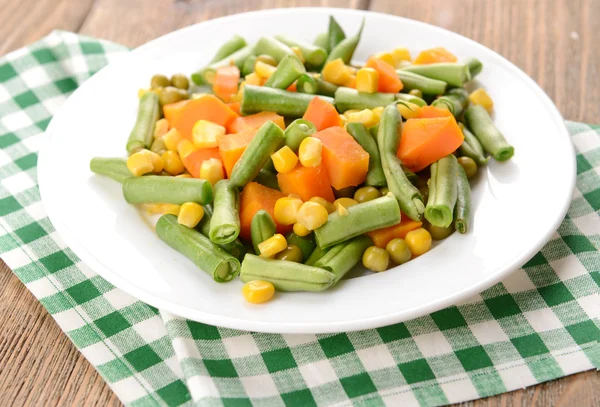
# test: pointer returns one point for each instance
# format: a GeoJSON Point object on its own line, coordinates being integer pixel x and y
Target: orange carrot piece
{"type": "Point", "coordinates": [381, 237]}
{"type": "Point", "coordinates": [254, 121]}
{"type": "Point", "coordinates": [236, 107]}
{"type": "Point", "coordinates": [226, 82]}
{"type": "Point", "coordinates": [183, 115]}
{"type": "Point", "coordinates": [306, 182]}
{"type": "Point", "coordinates": [434, 55]}
{"type": "Point", "coordinates": [193, 161]}
{"type": "Point", "coordinates": [292, 87]}
{"type": "Point", "coordinates": [351, 82]}
{"type": "Point", "coordinates": [322, 114]}
{"type": "Point", "coordinates": [231, 147]}
{"type": "Point", "coordinates": [344, 159]}
{"type": "Point", "coordinates": [255, 197]}
{"type": "Point", "coordinates": [425, 141]}
{"type": "Point", "coordinates": [429, 112]}
{"type": "Point", "coordinates": [388, 78]}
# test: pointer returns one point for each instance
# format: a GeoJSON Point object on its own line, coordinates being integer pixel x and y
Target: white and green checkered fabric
{"type": "Point", "coordinates": [539, 324]}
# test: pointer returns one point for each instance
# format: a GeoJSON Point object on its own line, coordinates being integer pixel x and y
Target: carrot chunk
{"type": "Point", "coordinates": [255, 197]}
{"type": "Point", "coordinates": [322, 114]}
{"type": "Point", "coordinates": [226, 82]}
{"type": "Point", "coordinates": [434, 55]}
{"type": "Point", "coordinates": [231, 147]}
{"type": "Point", "coordinates": [381, 237]}
{"type": "Point", "coordinates": [388, 78]}
{"type": "Point", "coordinates": [194, 160]}
{"type": "Point", "coordinates": [254, 121]}
{"type": "Point", "coordinates": [429, 112]}
{"type": "Point", "coordinates": [306, 182]}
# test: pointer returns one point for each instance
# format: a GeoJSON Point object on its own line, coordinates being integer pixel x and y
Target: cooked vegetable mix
{"type": "Point", "coordinates": [374, 168]}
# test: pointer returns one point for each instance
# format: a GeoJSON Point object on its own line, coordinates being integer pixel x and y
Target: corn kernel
{"type": "Point", "coordinates": [240, 93]}
{"type": "Point", "coordinates": [299, 54]}
{"type": "Point", "coordinates": [345, 202]}
{"type": "Point", "coordinates": [340, 210]}
{"type": "Point", "coordinates": [336, 72]}
{"type": "Point", "coordinates": [351, 70]}
{"type": "Point", "coordinates": [139, 164]}
{"type": "Point", "coordinates": [480, 97]}
{"type": "Point", "coordinates": [311, 215]}
{"type": "Point", "coordinates": [258, 291]}
{"type": "Point", "coordinates": [309, 152]}
{"type": "Point", "coordinates": [153, 209]}
{"type": "Point", "coordinates": [172, 139]}
{"type": "Point", "coordinates": [350, 111]}
{"type": "Point", "coordinates": [172, 163]}
{"type": "Point", "coordinates": [292, 195]}
{"type": "Point", "coordinates": [350, 82]}
{"type": "Point", "coordinates": [205, 133]}
{"type": "Point", "coordinates": [301, 230]}
{"type": "Point", "coordinates": [253, 79]}
{"type": "Point", "coordinates": [418, 241]}
{"type": "Point", "coordinates": [378, 111]}
{"type": "Point", "coordinates": [194, 96]}
{"type": "Point", "coordinates": [272, 246]}
{"type": "Point", "coordinates": [186, 175]}
{"type": "Point", "coordinates": [286, 210]}
{"type": "Point", "coordinates": [185, 148]}
{"type": "Point", "coordinates": [171, 209]}
{"type": "Point", "coordinates": [212, 170]}
{"type": "Point", "coordinates": [157, 162]}
{"type": "Point", "coordinates": [366, 117]}
{"type": "Point", "coordinates": [344, 120]}
{"type": "Point", "coordinates": [367, 80]}
{"type": "Point", "coordinates": [408, 110]}
{"type": "Point", "coordinates": [284, 159]}
{"type": "Point", "coordinates": [386, 57]}
{"type": "Point", "coordinates": [399, 55]}
{"type": "Point", "coordinates": [263, 70]}
{"type": "Point", "coordinates": [323, 202]}
{"type": "Point", "coordinates": [161, 128]}
{"type": "Point", "coordinates": [190, 214]}
{"type": "Point", "coordinates": [267, 59]}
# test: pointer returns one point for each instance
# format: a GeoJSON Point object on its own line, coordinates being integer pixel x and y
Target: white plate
{"type": "Point", "coordinates": [517, 205]}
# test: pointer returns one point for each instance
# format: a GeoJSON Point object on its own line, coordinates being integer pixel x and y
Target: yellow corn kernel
{"type": "Point", "coordinates": [205, 133]}
{"type": "Point", "coordinates": [253, 79]}
{"type": "Point", "coordinates": [186, 175]}
{"type": "Point", "coordinates": [351, 70]}
{"type": "Point", "coordinates": [336, 72]}
{"type": "Point", "coordinates": [350, 111]}
{"type": "Point", "coordinates": [263, 70]}
{"type": "Point", "coordinates": [171, 208]}
{"type": "Point", "coordinates": [185, 148]}
{"type": "Point", "coordinates": [311, 215]}
{"type": "Point", "coordinates": [286, 210]}
{"type": "Point", "coordinates": [292, 195]}
{"type": "Point", "coordinates": [258, 291]}
{"type": "Point", "coordinates": [267, 59]}
{"type": "Point", "coordinates": [172, 163]}
{"type": "Point", "coordinates": [323, 202]}
{"type": "Point", "coordinates": [366, 117]}
{"type": "Point", "coordinates": [299, 54]}
{"type": "Point", "coordinates": [157, 162]}
{"type": "Point", "coordinates": [301, 230]}
{"type": "Point", "coordinates": [240, 93]}
{"type": "Point", "coordinates": [190, 214]}
{"type": "Point", "coordinates": [139, 164]}
{"type": "Point", "coordinates": [408, 110]}
{"type": "Point", "coordinates": [418, 241]}
{"type": "Point", "coordinates": [272, 245]}
{"type": "Point", "coordinates": [212, 170]}
{"type": "Point", "coordinates": [377, 112]}
{"type": "Point", "coordinates": [172, 139]}
{"type": "Point", "coordinates": [480, 97]}
{"type": "Point", "coordinates": [344, 120]}
{"type": "Point", "coordinates": [399, 55]}
{"type": "Point", "coordinates": [386, 57]}
{"type": "Point", "coordinates": [284, 159]}
{"type": "Point", "coordinates": [367, 80]}
{"type": "Point", "coordinates": [161, 128]}
{"type": "Point", "coordinates": [153, 209]}
{"type": "Point", "coordinates": [309, 152]}
{"type": "Point", "coordinates": [345, 202]}
{"type": "Point", "coordinates": [340, 210]}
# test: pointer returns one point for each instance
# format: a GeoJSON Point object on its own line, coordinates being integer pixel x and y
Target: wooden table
{"type": "Point", "coordinates": [551, 40]}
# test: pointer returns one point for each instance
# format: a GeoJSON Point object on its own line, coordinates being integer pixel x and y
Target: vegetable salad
{"type": "Point", "coordinates": [287, 164]}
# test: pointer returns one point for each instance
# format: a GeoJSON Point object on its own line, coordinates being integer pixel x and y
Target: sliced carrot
{"type": "Point", "coordinates": [429, 112]}
{"type": "Point", "coordinates": [292, 87]}
{"type": "Point", "coordinates": [254, 121]}
{"type": "Point", "coordinates": [381, 237]}
{"type": "Point", "coordinates": [434, 55]}
{"type": "Point", "coordinates": [226, 82]}
{"type": "Point", "coordinates": [322, 114]}
{"type": "Point", "coordinates": [183, 115]}
{"type": "Point", "coordinates": [388, 78]}
{"type": "Point", "coordinates": [344, 159]}
{"type": "Point", "coordinates": [255, 197]}
{"type": "Point", "coordinates": [231, 147]}
{"type": "Point", "coordinates": [306, 182]}
{"type": "Point", "coordinates": [425, 141]}
{"type": "Point", "coordinates": [193, 161]}
{"type": "Point", "coordinates": [236, 107]}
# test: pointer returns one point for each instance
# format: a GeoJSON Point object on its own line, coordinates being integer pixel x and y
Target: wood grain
{"type": "Point", "coordinates": [551, 40]}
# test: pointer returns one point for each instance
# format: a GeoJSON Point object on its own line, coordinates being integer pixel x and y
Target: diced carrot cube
{"type": "Point", "coordinates": [255, 197]}
{"type": "Point", "coordinates": [306, 182]}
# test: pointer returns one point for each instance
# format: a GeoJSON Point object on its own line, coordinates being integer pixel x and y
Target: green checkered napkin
{"type": "Point", "coordinates": [539, 324]}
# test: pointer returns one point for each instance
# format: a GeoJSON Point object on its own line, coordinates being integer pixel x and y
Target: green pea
{"type": "Point", "coordinates": [290, 253]}
{"type": "Point", "coordinates": [384, 191]}
{"type": "Point", "coordinates": [170, 95]}
{"type": "Point", "coordinates": [347, 192]}
{"type": "Point", "coordinates": [159, 81]}
{"type": "Point", "coordinates": [469, 165]}
{"type": "Point", "coordinates": [439, 233]}
{"type": "Point", "coordinates": [180, 81]}
{"type": "Point", "coordinates": [376, 259]}
{"type": "Point", "coordinates": [398, 250]}
{"type": "Point", "coordinates": [365, 194]}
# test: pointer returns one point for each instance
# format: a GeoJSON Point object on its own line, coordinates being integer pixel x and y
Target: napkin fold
{"type": "Point", "coordinates": [539, 324]}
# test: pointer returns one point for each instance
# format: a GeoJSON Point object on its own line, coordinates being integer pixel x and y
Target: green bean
{"type": "Point", "coordinates": [322, 40]}
{"type": "Point", "coordinates": [225, 222]}
{"type": "Point", "coordinates": [341, 261]}
{"type": "Point", "coordinates": [234, 44]}
{"type": "Point", "coordinates": [348, 98]}
{"type": "Point", "coordinates": [143, 131]}
{"type": "Point", "coordinates": [316, 255]}
{"type": "Point", "coordinates": [206, 75]}
{"type": "Point", "coordinates": [162, 189]}
{"type": "Point", "coordinates": [472, 148]}
{"type": "Point", "coordinates": [248, 66]}
{"type": "Point", "coordinates": [267, 178]}
{"type": "Point", "coordinates": [475, 66]}
{"type": "Point", "coordinates": [480, 122]}
{"type": "Point", "coordinates": [373, 131]}
{"type": "Point", "coordinates": [287, 71]}
{"type": "Point", "coordinates": [262, 227]}
{"type": "Point", "coordinates": [442, 191]}
{"type": "Point", "coordinates": [451, 73]}
{"type": "Point", "coordinates": [427, 86]}
{"type": "Point", "coordinates": [411, 176]}
{"type": "Point", "coordinates": [345, 48]}
{"type": "Point", "coordinates": [285, 275]}
{"type": "Point", "coordinates": [405, 97]}
{"type": "Point", "coordinates": [306, 244]}
{"type": "Point", "coordinates": [266, 141]}
{"type": "Point", "coordinates": [209, 257]}
{"type": "Point", "coordinates": [236, 248]}
{"type": "Point", "coordinates": [314, 55]}
{"type": "Point", "coordinates": [315, 86]}
{"type": "Point", "coordinates": [335, 34]}
{"type": "Point", "coordinates": [375, 176]}
{"type": "Point", "coordinates": [115, 168]}
{"type": "Point", "coordinates": [361, 218]}
{"type": "Point", "coordinates": [273, 47]}
{"type": "Point", "coordinates": [456, 100]}
{"type": "Point", "coordinates": [291, 104]}
{"type": "Point", "coordinates": [388, 139]}
{"type": "Point", "coordinates": [462, 210]}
